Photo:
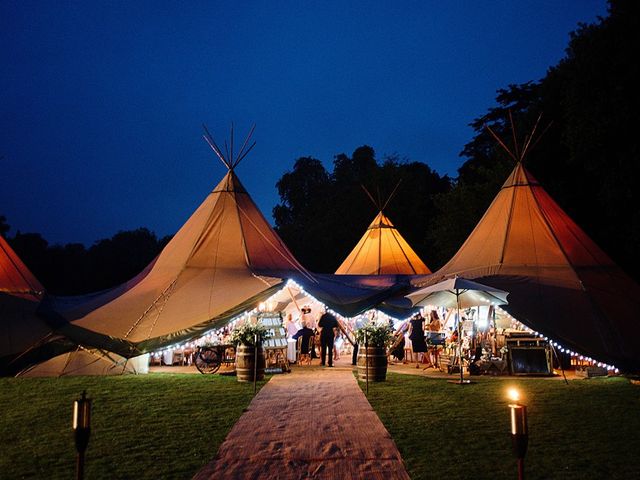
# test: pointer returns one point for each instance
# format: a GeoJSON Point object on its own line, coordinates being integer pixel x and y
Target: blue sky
{"type": "Point", "coordinates": [102, 102]}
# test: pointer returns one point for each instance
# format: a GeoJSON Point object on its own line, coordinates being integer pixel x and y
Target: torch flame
{"type": "Point", "coordinates": [513, 394]}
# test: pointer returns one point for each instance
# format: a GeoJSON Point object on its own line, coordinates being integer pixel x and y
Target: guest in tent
{"type": "Point", "coordinates": [328, 325]}
{"type": "Point", "coordinates": [416, 335]}
{"type": "Point", "coordinates": [292, 329]}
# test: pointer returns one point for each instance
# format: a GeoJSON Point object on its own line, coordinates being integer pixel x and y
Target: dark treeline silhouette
{"type": "Point", "coordinates": [72, 269]}
{"type": "Point", "coordinates": [588, 160]}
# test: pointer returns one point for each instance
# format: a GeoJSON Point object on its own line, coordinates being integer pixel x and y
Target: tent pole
{"type": "Point", "coordinates": [255, 362]}
{"type": "Point", "coordinates": [366, 359]}
{"type": "Point", "coordinates": [459, 335]}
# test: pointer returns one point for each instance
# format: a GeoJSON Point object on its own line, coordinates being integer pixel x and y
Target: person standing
{"type": "Point", "coordinates": [416, 335]}
{"type": "Point", "coordinates": [328, 326]}
{"type": "Point", "coordinates": [291, 329]}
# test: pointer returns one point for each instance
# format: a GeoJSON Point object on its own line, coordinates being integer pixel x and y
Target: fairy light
{"type": "Point", "coordinates": [557, 345]}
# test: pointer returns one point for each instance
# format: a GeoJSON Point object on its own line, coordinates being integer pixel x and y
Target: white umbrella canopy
{"type": "Point", "coordinates": [458, 293]}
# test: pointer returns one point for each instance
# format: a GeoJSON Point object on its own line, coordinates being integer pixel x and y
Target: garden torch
{"type": "Point", "coordinates": [519, 429]}
{"type": "Point", "coordinates": [82, 430]}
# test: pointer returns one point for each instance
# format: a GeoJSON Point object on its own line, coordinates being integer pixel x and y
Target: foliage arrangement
{"type": "Point", "coordinates": [377, 335]}
{"type": "Point", "coordinates": [246, 334]}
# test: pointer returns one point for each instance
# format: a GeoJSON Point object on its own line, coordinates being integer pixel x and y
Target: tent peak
{"type": "Point", "coordinates": [518, 153]}
{"type": "Point", "coordinates": [227, 157]}
{"type": "Point", "coordinates": [378, 203]}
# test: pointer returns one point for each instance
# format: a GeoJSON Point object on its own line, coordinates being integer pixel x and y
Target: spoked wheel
{"type": "Point", "coordinates": [207, 360]}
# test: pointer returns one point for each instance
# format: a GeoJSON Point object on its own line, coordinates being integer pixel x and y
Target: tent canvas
{"type": "Point", "coordinates": [209, 271]}
{"type": "Point", "coordinates": [382, 251]}
{"type": "Point", "coordinates": [561, 283]}
{"type": "Point", "coordinates": [84, 361]}
{"type": "Point", "coordinates": [20, 296]}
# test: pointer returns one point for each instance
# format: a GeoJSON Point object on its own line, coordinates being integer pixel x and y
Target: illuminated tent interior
{"type": "Point", "coordinates": [561, 283]}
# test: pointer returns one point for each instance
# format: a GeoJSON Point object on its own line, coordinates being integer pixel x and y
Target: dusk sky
{"type": "Point", "coordinates": [102, 102]}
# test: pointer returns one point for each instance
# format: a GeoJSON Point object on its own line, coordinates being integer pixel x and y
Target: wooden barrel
{"type": "Point", "coordinates": [377, 358]}
{"type": "Point", "coordinates": [245, 358]}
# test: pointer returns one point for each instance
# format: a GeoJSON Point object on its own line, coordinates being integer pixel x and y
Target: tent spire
{"type": "Point", "coordinates": [228, 159]}
{"type": "Point", "coordinates": [516, 154]}
{"type": "Point", "coordinates": [378, 204]}
{"type": "Point", "coordinates": [393, 192]}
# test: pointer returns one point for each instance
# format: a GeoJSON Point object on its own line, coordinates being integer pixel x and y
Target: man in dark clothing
{"type": "Point", "coordinates": [328, 326]}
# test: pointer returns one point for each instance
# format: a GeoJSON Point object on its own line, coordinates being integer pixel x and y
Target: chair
{"type": "Point", "coordinates": [303, 357]}
{"type": "Point", "coordinates": [155, 359]}
{"type": "Point", "coordinates": [178, 357]}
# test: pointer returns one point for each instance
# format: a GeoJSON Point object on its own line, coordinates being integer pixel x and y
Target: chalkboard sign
{"type": "Point", "coordinates": [529, 361]}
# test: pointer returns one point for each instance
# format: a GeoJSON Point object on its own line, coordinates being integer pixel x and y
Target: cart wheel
{"type": "Point", "coordinates": [207, 360]}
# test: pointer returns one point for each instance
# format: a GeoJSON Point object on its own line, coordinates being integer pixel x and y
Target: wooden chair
{"type": "Point", "coordinates": [408, 355]}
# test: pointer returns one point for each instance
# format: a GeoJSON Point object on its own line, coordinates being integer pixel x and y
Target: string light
{"type": "Point", "coordinates": [557, 345]}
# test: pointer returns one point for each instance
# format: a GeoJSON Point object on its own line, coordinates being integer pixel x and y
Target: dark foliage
{"type": "Point", "coordinates": [589, 157]}
{"type": "Point", "coordinates": [73, 269]}
{"type": "Point", "coordinates": [322, 215]}
{"type": "Point", "coordinates": [4, 226]}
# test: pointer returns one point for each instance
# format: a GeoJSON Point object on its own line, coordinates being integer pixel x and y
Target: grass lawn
{"type": "Point", "coordinates": [589, 429]}
{"type": "Point", "coordinates": [143, 426]}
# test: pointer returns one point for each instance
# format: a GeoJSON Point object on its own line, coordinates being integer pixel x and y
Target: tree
{"type": "Point", "coordinates": [4, 226]}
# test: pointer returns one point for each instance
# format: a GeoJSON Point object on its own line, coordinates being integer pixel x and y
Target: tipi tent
{"type": "Point", "coordinates": [210, 271]}
{"type": "Point", "coordinates": [382, 251]}
{"type": "Point", "coordinates": [20, 295]}
{"type": "Point", "coordinates": [561, 284]}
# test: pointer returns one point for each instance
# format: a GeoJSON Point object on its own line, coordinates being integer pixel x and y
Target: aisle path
{"type": "Point", "coordinates": [314, 423]}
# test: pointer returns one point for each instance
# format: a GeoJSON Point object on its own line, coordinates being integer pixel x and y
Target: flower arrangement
{"type": "Point", "coordinates": [246, 334]}
{"type": "Point", "coordinates": [377, 335]}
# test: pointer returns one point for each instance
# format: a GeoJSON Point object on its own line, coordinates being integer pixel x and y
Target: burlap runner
{"type": "Point", "coordinates": [314, 423]}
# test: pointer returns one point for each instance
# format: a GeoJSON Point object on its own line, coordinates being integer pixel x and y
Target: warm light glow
{"type": "Point", "coordinates": [513, 394]}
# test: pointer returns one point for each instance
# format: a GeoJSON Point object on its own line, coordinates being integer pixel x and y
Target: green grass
{"type": "Point", "coordinates": [143, 426]}
{"type": "Point", "coordinates": [589, 429]}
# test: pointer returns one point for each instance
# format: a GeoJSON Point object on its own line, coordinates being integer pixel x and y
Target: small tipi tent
{"type": "Point", "coordinates": [382, 250]}
{"type": "Point", "coordinates": [561, 283]}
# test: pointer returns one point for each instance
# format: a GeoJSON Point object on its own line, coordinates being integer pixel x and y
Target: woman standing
{"type": "Point", "coordinates": [416, 335]}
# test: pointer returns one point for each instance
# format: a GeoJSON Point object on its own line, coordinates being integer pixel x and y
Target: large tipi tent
{"type": "Point", "coordinates": [223, 261]}
{"type": "Point", "coordinates": [561, 284]}
{"type": "Point", "coordinates": [382, 251]}
{"type": "Point", "coordinates": [210, 271]}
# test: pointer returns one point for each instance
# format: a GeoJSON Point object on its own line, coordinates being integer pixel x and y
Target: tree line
{"type": "Point", "coordinates": [588, 160]}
